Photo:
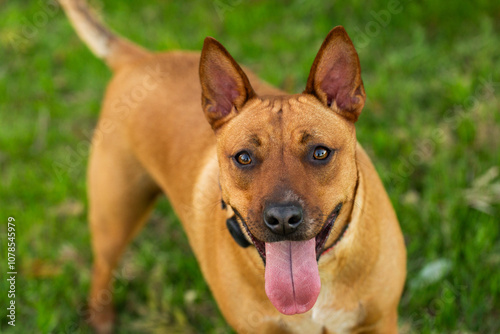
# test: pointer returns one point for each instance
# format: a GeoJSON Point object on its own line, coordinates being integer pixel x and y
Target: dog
{"type": "Point", "coordinates": [286, 215]}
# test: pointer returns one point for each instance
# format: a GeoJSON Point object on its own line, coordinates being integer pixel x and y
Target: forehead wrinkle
{"type": "Point", "coordinates": [251, 138]}
{"type": "Point", "coordinates": [255, 140]}
{"type": "Point", "coordinates": [271, 132]}
{"type": "Point", "coordinates": [274, 116]}
{"type": "Point", "coordinates": [299, 104]}
{"type": "Point", "coordinates": [277, 106]}
{"type": "Point", "coordinates": [305, 137]}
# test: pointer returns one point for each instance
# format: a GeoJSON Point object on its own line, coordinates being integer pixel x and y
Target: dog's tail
{"type": "Point", "coordinates": [113, 49]}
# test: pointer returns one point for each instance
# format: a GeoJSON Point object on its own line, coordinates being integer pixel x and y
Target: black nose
{"type": "Point", "coordinates": [283, 219]}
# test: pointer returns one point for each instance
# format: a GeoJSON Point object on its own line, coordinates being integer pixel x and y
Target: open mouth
{"type": "Point", "coordinates": [321, 237]}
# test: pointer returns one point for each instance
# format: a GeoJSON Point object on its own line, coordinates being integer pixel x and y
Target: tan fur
{"type": "Point", "coordinates": [159, 142]}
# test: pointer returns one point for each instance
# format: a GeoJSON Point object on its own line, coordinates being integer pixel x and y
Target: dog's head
{"type": "Point", "coordinates": [287, 163]}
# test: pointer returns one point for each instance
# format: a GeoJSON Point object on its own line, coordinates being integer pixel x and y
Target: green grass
{"type": "Point", "coordinates": [431, 124]}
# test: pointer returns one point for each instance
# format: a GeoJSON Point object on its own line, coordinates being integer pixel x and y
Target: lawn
{"type": "Point", "coordinates": [431, 125]}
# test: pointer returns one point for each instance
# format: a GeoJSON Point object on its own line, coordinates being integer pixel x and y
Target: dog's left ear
{"type": "Point", "coordinates": [335, 77]}
{"type": "Point", "coordinates": [225, 87]}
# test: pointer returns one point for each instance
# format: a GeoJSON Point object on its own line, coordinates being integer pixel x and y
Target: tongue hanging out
{"type": "Point", "coordinates": [292, 277]}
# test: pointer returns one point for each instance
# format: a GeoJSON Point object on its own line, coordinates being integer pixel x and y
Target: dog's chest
{"type": "Point", "coordinates": [335, 316]}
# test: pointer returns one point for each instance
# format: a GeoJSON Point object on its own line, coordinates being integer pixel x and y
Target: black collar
{"type": "Point", "coordinates": [236, 232]}
{"type": "Point", "coordinates": [234, 228]}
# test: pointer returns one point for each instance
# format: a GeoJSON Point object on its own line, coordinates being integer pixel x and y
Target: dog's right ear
{"type": "Point", "coordinates": [224, 86]}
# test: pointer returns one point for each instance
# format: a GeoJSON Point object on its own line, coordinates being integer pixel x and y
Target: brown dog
{"type": "Point", "coordinates": [327, 252]}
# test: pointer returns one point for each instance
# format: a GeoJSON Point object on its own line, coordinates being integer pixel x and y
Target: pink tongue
{"type": "Point", "coordinates": [292, 277]}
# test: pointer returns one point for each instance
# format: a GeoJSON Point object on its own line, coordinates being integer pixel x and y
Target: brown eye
{"type": "Point", "coordinates": [320, 153]}
{"type": "Point", "coordinates": [243, 158]}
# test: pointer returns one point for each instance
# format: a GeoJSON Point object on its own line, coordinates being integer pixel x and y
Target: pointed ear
{"type": "Point", "coordinates": [225, 87]}
{"type": "Point", "coordinates": [335, 77]}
